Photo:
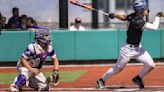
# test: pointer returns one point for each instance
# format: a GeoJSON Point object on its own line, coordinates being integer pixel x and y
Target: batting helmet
{"type": "Point", "coordinates": [140, 5]}
{"type": "Point", "coordinates": [42, 34]}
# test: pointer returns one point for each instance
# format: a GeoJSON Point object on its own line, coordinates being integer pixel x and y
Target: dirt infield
{"type": "Point", "coordinates": [120, 82]}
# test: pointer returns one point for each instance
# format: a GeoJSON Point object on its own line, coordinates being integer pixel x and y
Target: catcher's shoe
{"type": "Point", "coordinates": [13, 88]}
{"type": "Point", "coordinates": [137, 80]}
{"type": "Point", "coordinates": [101, 83]}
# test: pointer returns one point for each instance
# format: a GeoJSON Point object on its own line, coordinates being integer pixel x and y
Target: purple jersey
{"type": "Point", "coordinates": [36, 56]}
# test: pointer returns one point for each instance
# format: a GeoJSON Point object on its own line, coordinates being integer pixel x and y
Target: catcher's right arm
{"type": "Point", "coordinates": [53, 80]}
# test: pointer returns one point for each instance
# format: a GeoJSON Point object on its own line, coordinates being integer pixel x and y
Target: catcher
{"type": "Point", "coordinates": [31, 62]}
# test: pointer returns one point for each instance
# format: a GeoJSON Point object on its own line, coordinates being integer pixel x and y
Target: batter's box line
{"type": "Point", "coordinates": [108, 88]}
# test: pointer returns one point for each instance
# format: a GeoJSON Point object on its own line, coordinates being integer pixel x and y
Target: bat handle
{"type": "Point", "coordinates": [107, 14]}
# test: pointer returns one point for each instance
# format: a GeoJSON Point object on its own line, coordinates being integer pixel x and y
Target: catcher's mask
{"type": "Point", "coordinates": [42, 37]}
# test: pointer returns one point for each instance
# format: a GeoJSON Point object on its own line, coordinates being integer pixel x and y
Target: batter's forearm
{"type": "Point", "coordinates": [121, 16]}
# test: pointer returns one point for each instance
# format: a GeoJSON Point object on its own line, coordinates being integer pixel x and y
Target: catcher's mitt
{"type": "Point", "coordinates": [53, 80]}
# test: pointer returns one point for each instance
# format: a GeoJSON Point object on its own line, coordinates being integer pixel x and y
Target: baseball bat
{"type": "Point", "coordinates": [87, 7]}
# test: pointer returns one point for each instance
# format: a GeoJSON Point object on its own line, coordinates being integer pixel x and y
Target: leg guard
{"type": "Point", "coordinates": [21, 79]}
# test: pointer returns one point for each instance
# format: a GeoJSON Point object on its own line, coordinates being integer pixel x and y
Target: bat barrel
{"type": "Point", "coordinates": [87, 7]}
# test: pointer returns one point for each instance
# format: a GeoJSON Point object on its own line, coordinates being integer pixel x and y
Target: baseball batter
{"type": "Point", "coordinates": [132, 49]}
{"type": "Point", "coordinates": [31, 62]}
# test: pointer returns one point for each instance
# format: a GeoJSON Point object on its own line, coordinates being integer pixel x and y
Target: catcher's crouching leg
{"type": "Point", "coordinates": [53, 80]}
{"type": "Point", "coordinates": [43, 89]}
{"type": "Point", "coordinates": [38, 82]}
{"type": "Point", "coordinates": [18, 83]}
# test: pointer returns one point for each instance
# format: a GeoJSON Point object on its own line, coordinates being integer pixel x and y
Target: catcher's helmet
{"type": "Point", "coordinates": [42, 34]}
{"type": "Point", "coordinates": [140, 5]}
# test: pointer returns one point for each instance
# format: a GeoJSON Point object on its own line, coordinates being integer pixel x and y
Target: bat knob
{"type": "Point", "coordinates": [111, 15]}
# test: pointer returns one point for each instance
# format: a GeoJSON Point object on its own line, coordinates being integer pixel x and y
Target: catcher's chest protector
{"type": "Point", "coordinates": [39, 56]}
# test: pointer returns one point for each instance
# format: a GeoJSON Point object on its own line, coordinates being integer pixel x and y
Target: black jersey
{"type": "Point", "coordinates": [134, 33]}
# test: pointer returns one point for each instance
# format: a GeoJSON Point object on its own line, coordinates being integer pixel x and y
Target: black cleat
{"type": "Point", "coordinates": [101, 83]}
{"type": "Point", "coordinates": [137, 80]}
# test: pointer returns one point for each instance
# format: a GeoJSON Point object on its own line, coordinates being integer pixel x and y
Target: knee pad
{"type": "Point", "coordinates": [21, 80]}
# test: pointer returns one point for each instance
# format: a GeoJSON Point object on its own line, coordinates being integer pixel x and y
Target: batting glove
{"type": "Point", "coordinates": [160, 14]}
{"type": "Point", "coordinates": [111, 15]}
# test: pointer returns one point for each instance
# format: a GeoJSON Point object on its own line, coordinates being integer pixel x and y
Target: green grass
{"type": "Point", "coordinates": [65, 76]}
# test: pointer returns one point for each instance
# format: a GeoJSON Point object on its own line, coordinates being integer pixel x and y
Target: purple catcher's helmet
{"type": "Point", "coordinates": [140, 5]}
{"type": "Point", "coordinates": [42, 34]}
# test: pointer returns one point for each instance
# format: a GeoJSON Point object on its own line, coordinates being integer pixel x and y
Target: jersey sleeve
{"type": "Point", "coordinates": [154, 25]}
{"type": "Point", "coordinates": [52, 53]}
{"type": "Point", "coordinates": [28, 52]}
{"type": "Point", "coordinates": [72, 28]}
{"type": "Point", "coordinates": [136, 22]}
{"type": "Point", "coordinates": [130, 16]}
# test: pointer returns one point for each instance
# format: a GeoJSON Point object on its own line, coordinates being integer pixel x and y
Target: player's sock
{"type": "Point", "coordinates": [21, 79]}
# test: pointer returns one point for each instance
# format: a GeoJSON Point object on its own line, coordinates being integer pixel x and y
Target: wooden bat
{"type": "Point", "coordinates": [87, 7]}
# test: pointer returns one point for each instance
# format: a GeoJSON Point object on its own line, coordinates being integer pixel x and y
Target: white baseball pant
{"type": "Point", "coordinates": [128, 52]}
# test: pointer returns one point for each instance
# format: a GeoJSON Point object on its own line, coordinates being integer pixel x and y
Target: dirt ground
{"type": "Point", "coordinates": [154, 81]}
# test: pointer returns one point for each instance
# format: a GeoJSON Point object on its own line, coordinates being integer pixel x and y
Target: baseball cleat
{"type": "Point", "coordinates": [137, 80]}
{"type": "Point", "coordinates": [101, 83]}
{"type": "Point", "coordinates": [13, 88]}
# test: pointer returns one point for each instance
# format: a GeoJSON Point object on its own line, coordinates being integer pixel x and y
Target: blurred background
{"type": "Point", "coordinates": [47, 13]}
{"type": "Point", "coordinates": [101, 39]}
